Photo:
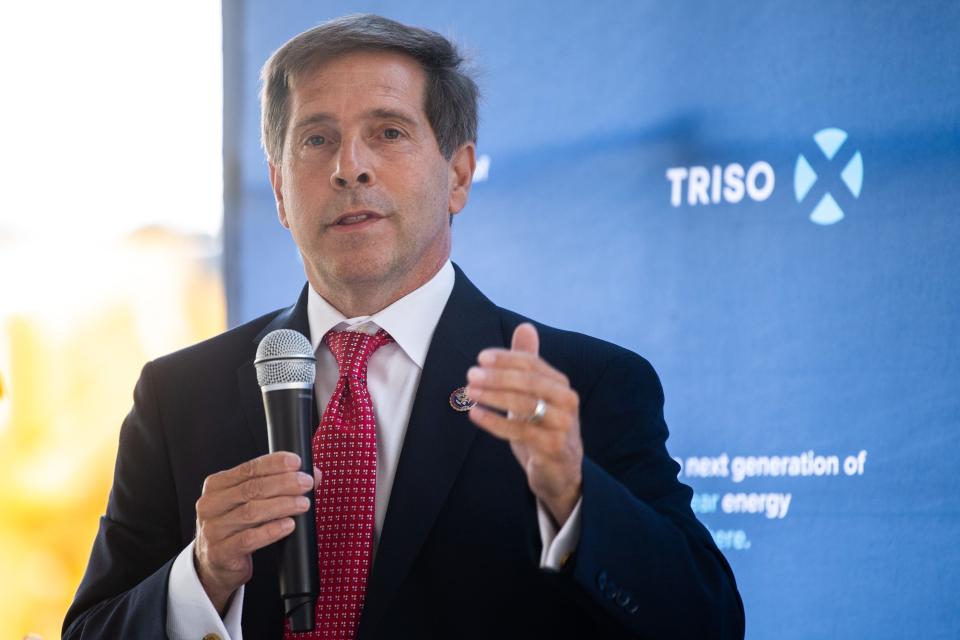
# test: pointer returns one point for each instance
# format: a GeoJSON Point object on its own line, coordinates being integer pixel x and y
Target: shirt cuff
{"type": "Point", "coordinates": [190, 614]}
{"type": "Point", "coordinates": [558, 546]}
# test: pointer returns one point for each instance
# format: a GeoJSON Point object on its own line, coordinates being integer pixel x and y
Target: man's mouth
{"type": "Point", "coordinates": [356, 217]}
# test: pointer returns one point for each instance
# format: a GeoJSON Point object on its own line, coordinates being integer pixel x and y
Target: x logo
{"type": "Point", "coordinates": [818, 167]}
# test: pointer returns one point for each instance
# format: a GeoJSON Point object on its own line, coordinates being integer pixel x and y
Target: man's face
{"type": "Point", "coordinates": [362, 185]}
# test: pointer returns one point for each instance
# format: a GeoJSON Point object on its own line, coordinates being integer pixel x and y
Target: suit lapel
{"type": "Point", "coordinates": [435, 444]}
{"type": "Point", "coordinates": [295, 318]}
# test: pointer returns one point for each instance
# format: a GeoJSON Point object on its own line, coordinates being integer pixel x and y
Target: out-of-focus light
{"type": "Point", "coordinates": [110, 216]}
{"type": "Point", "coordinates": [4, 386]}
{"type": "Point", "coordinates": [111, 118]}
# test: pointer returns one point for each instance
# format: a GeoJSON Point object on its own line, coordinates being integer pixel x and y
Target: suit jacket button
{"type": "Point", "coordinates": [632, 607]}
{"type": "Point", "coordinates": [623, 598]}
{"type": "Point", "coordinates": [612, 590]}
{"type": "Point", "coordinates": [602, 580]}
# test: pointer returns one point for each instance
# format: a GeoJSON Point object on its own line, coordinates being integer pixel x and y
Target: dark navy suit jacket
{"type": "Point", "coordinates": [459, 551]}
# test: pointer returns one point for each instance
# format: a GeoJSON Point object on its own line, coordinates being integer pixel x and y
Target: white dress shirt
{"type": "Point", "coordinates": [393, 374]}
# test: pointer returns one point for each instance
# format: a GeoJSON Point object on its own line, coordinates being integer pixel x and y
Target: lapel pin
{"type": "Point", "coordinates": [460, 401]}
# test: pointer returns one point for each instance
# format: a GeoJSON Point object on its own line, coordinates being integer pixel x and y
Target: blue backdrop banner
{"type": "Point", "coordinates": [762, 199]}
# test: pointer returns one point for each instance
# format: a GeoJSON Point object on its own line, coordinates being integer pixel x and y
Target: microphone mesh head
{"type": "Point", "coordinates": [284, 356]}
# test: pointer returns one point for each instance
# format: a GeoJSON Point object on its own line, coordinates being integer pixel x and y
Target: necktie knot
{"type": "Point", "coordinates": [352, 350]}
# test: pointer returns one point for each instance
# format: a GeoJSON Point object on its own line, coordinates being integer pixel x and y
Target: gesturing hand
{"type": "Point", "coordinates": [548, 447]}
{"type": "Point", "coordinates": [241, 510]}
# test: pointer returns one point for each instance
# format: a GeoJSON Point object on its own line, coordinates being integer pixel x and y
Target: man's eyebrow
{"type": "Point", "coordinates": [316, 118]}
{"type": "Point", "coordinates": [392, 114]}
{"type": "Point", "coordinates": [380, 113]}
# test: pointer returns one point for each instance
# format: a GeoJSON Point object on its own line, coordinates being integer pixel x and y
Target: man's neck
{"type": "Point", "coordinates": [365, 299]}
{"type": "Point", "coordinates": [361, 301]}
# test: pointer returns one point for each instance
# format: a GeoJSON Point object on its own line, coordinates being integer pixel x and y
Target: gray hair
{"type": "Point", "coordinates": [451, 94]}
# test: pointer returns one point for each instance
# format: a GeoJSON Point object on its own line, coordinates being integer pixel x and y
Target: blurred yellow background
{"type": "Point", "coordinates": [67, 379]}
{"type": "Point", "coordinates": [110, 254]}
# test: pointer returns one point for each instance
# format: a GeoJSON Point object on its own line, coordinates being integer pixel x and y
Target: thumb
{"type": "Point", "coordinates": [525, 339]}
{"type": "Point", "coordinates": [317, 476]}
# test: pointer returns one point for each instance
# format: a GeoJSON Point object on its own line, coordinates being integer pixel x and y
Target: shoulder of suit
{"type": "Point", "coordinates": [576, 354]}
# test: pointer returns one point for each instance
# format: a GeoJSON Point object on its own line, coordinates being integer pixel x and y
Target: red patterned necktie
{"type": "Point", "coordinates": [345, 451]}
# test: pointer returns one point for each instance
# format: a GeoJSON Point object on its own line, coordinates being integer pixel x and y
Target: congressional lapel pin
{"type": "Point", "coordinates": [460, 401]}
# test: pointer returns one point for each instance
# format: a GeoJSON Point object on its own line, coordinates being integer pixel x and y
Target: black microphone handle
{"type": "Point", "coordinates": [289, 415]}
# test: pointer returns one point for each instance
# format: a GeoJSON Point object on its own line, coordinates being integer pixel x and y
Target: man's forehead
{"type": "Point", "coordinates": [384, 79]}
{"type": "Point", "coordinates": [388, 71]}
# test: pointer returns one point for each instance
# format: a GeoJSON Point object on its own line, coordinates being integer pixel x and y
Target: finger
{"type": "Point", "coordinates": [508, 429]}
{"type": "Point", "coordinates": [249, 540]}
{"type": "Point", "coordinates": [506, 359]}
{"type": "Point", "coordinates": [519, 406]}
{"type": "Point", "coordinates": [317, 476]}
{"type": "Point", "coordinates": [525, 339]}
{"type": "Point", "coordinates": [216, 503]}
{"type": "Point", "coordinates": [483, 379]}
{"type": "Point", "coordinates": [253, 514]}
{"type": "Point", "coordinates": [269, 464]}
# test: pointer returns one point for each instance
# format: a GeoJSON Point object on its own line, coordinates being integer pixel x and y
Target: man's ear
{"type": "Point", "coordinates": [462, 164]}
{"type": "Point", "coordinates": [276, 181]}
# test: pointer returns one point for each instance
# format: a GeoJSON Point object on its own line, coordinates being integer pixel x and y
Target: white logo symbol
{"type": "Point", "coordinates": [827, 210]}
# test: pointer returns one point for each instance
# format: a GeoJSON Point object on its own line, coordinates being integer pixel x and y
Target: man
{"type": "Point", "coordinates": [550, 509]}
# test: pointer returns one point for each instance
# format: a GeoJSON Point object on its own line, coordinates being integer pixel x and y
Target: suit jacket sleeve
{"type": "Point", "coordinates": [643, 559]}
{"type": "Point", "coordinates": [124, 590]}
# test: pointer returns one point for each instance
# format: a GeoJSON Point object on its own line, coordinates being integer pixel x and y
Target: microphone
{"type": "Point", "coordinates": [286, 370]}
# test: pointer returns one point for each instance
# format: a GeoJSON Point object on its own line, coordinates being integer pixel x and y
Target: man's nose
{"type": "Point", "coordinates": [353, 167]}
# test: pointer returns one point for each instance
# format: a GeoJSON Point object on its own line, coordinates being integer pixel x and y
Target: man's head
{"type": "Point", "coordinates": [369, 128]}
{"type": "Point", "coordinates": [451, 95]}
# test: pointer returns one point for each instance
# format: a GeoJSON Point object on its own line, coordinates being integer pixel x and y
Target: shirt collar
{"type": "Point", "coordinates": [411, 320]}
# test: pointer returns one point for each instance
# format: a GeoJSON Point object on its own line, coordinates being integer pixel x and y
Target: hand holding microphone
{"type": "Point", "coordinates": [267, 499]}
{"type": "Point", "coordinates": [244, 509]}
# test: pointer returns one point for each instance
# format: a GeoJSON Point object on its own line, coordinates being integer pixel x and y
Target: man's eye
{"type": "Point", "coordinates": [391, 133]}
{"type": "Point", "coordinates": [316, 141]}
